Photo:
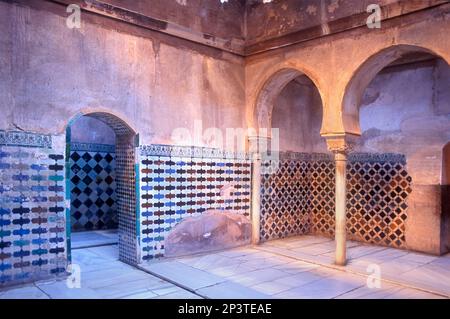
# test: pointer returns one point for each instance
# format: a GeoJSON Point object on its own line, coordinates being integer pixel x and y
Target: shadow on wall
{"type": "Point", "coordinates": [445, 197]}
{"type": "Point", "coordinates": [214, 230]}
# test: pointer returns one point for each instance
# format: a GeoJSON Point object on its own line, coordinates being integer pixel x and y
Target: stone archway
{"type": "Point", "coordinates": [269, 90]}
{"type": "Point", "coordinates": [423, 216]}
{"type": "Point", "coordinates": [362, 77]}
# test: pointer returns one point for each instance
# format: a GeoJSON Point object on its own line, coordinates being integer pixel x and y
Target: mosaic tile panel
{"type": "Point", "coordinates": [32, 213]}
{"type": "Point", "coordinates": [377, 200]}
{"type": "Point", "coordinates": [377, 189]}
{"type": "Point", "coordinates": [176, 182]}
{"type": "Point", "coordinates": [127, 205]}
{"type": "Point", "coordinates": [25, 139]}
{"type": "Point", "coordinates": [93, 187]}
{"type": "Point", "coordinates": [285, 199]}
{"type": "Point", "coordinates": [322, 209]}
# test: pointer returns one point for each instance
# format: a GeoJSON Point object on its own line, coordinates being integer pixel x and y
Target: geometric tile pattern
{"type": "Point", "coordinates": [25, 139]}
{"type": "Point", "coordinates": [285, 199]}
{"type": "Point", "coordinates": [178, 184]}
{"type": "Point", "coordinates": [127, 206]}
{"type": "Point", "coordinates": [377, 189]}
{"type": "Point", "coordinates": [32, 214]}
{"type": "Point", "coordinates": [93, 190]}
{"type": "Point", "coordinates": [377, 202]}
{"type": "Point", "coordinates": [119, 127]}
{"type": "Point", "coordinates": [322, 181]}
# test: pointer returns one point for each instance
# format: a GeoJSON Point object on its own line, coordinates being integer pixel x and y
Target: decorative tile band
{"type": "Point", "coordinates": [189, 151]}
{"type": "Point", "coordinates": [377, 158]}
{"type": "Point", "coordinates": [353, 157]}
{"type": "Point", "coordinates": [25, 139]}
{"type": "Point", "coordinates": [295, 156]}
{"type": "Point", "coordinates": [91, 147]}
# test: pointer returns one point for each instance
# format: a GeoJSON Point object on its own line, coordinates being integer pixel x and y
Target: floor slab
{"type": "Point", "coordinates": [94, 238]}
{"type": "Point", "coordinates": [299, 267]}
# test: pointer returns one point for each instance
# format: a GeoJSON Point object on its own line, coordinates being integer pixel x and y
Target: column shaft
{"type": "Point", "coordinates": [341, 229]}
{"type": "Point", "coordinates": [256, 190]}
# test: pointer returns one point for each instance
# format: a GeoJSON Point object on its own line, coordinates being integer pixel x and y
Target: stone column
{"type": "Point", "coordinates": [257, 145]}
{"type": "Point", "coordinates": [340, 148]}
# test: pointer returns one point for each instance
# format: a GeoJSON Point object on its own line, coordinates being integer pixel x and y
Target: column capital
{"type": "Point", "coordinates": [340, 144]}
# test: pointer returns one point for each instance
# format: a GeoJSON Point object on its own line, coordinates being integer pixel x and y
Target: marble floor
{"type": "Point", "coordinates": [302, 267]}
{"type": "Point", "coordinates": [93, 238]}
{"type": "Point", "coordinates": [102, 276]}
{"type": "Point", "coordinates": [410, 269]}
{"type": "Point", "coordinates": [297, 267]}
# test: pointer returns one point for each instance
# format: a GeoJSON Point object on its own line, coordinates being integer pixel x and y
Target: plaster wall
{"type": "Point", "coordinates": [298, 116]}
{"type": "Point", "coordinates": [332, 62]}
{"type": "Point", "coordinates": [224, 20]}
{"type": "Point", "coordinates": [283, 17]}
{"type": "Point", "coordinates": [49, 73]}
{"type": "Point", "coordinates": [92, 131]}
{"type": "Point", "coordinates": [404, 111]}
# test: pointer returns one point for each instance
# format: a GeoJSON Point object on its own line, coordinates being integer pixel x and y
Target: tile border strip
{"type": "Point", "coordinates": [190, 151]}
{"type": "Point", "coordinates": [92, 147]}
{"type": "Point", "coordinates": [327, 157]}
{"type": "Point", "coordinates": [206, 152]}
{"type": "Point", "coordinates": [378, 157]}
{"type": "Point", "coordinates": [25, 139]}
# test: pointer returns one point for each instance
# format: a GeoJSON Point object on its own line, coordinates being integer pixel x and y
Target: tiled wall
{"type": "Point", "coordinates": [177, 182]}
{"type": "Point", "coordinates": [298, 197]}
{"type": "Point", "coordinates": [32, 208]}
{"type": "Point", "coordinates": [168, 184]}
{"type": "Point", "coordinates": [127, 200]}
{"type": "Point", "coordinates": [377, 199]}
{"type": "Point", "coordinates": [93, 187]}
{"type": "Point", "coordinates": [285, 198]}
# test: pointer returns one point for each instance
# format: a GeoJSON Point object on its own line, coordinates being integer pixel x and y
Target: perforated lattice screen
{"type": "Point", "coordinates": [297, 197]}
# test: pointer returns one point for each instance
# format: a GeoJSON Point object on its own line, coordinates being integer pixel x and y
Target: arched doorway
{"type": "Point", "coordinates": [397, 101]}
{"type": "Point", "coordinates": [106, 178]}
{"type": "Point", "coordinates": [297, 192]}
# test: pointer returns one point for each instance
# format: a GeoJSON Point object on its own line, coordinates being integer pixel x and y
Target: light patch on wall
{"type": "Point", "coordinates": [182, 2]}
{"type": "Point", "coordinates": [312, 10]}
{"type": "Point", "coordinates": [333, 6]}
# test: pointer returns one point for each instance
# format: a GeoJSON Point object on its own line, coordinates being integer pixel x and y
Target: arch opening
{"type": "Point", "coordinates": [269, 92]}
{"type": "Point", "coordinates": [366, 73]}
{"type": "Point", "coordinates": [297, 115]}
{"type": "Point", "coordinates": [300, 175]}
{"type": "Point", "coordinates": [101, 179]}
{"type": "Point", "coordinates": [398, 103]}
